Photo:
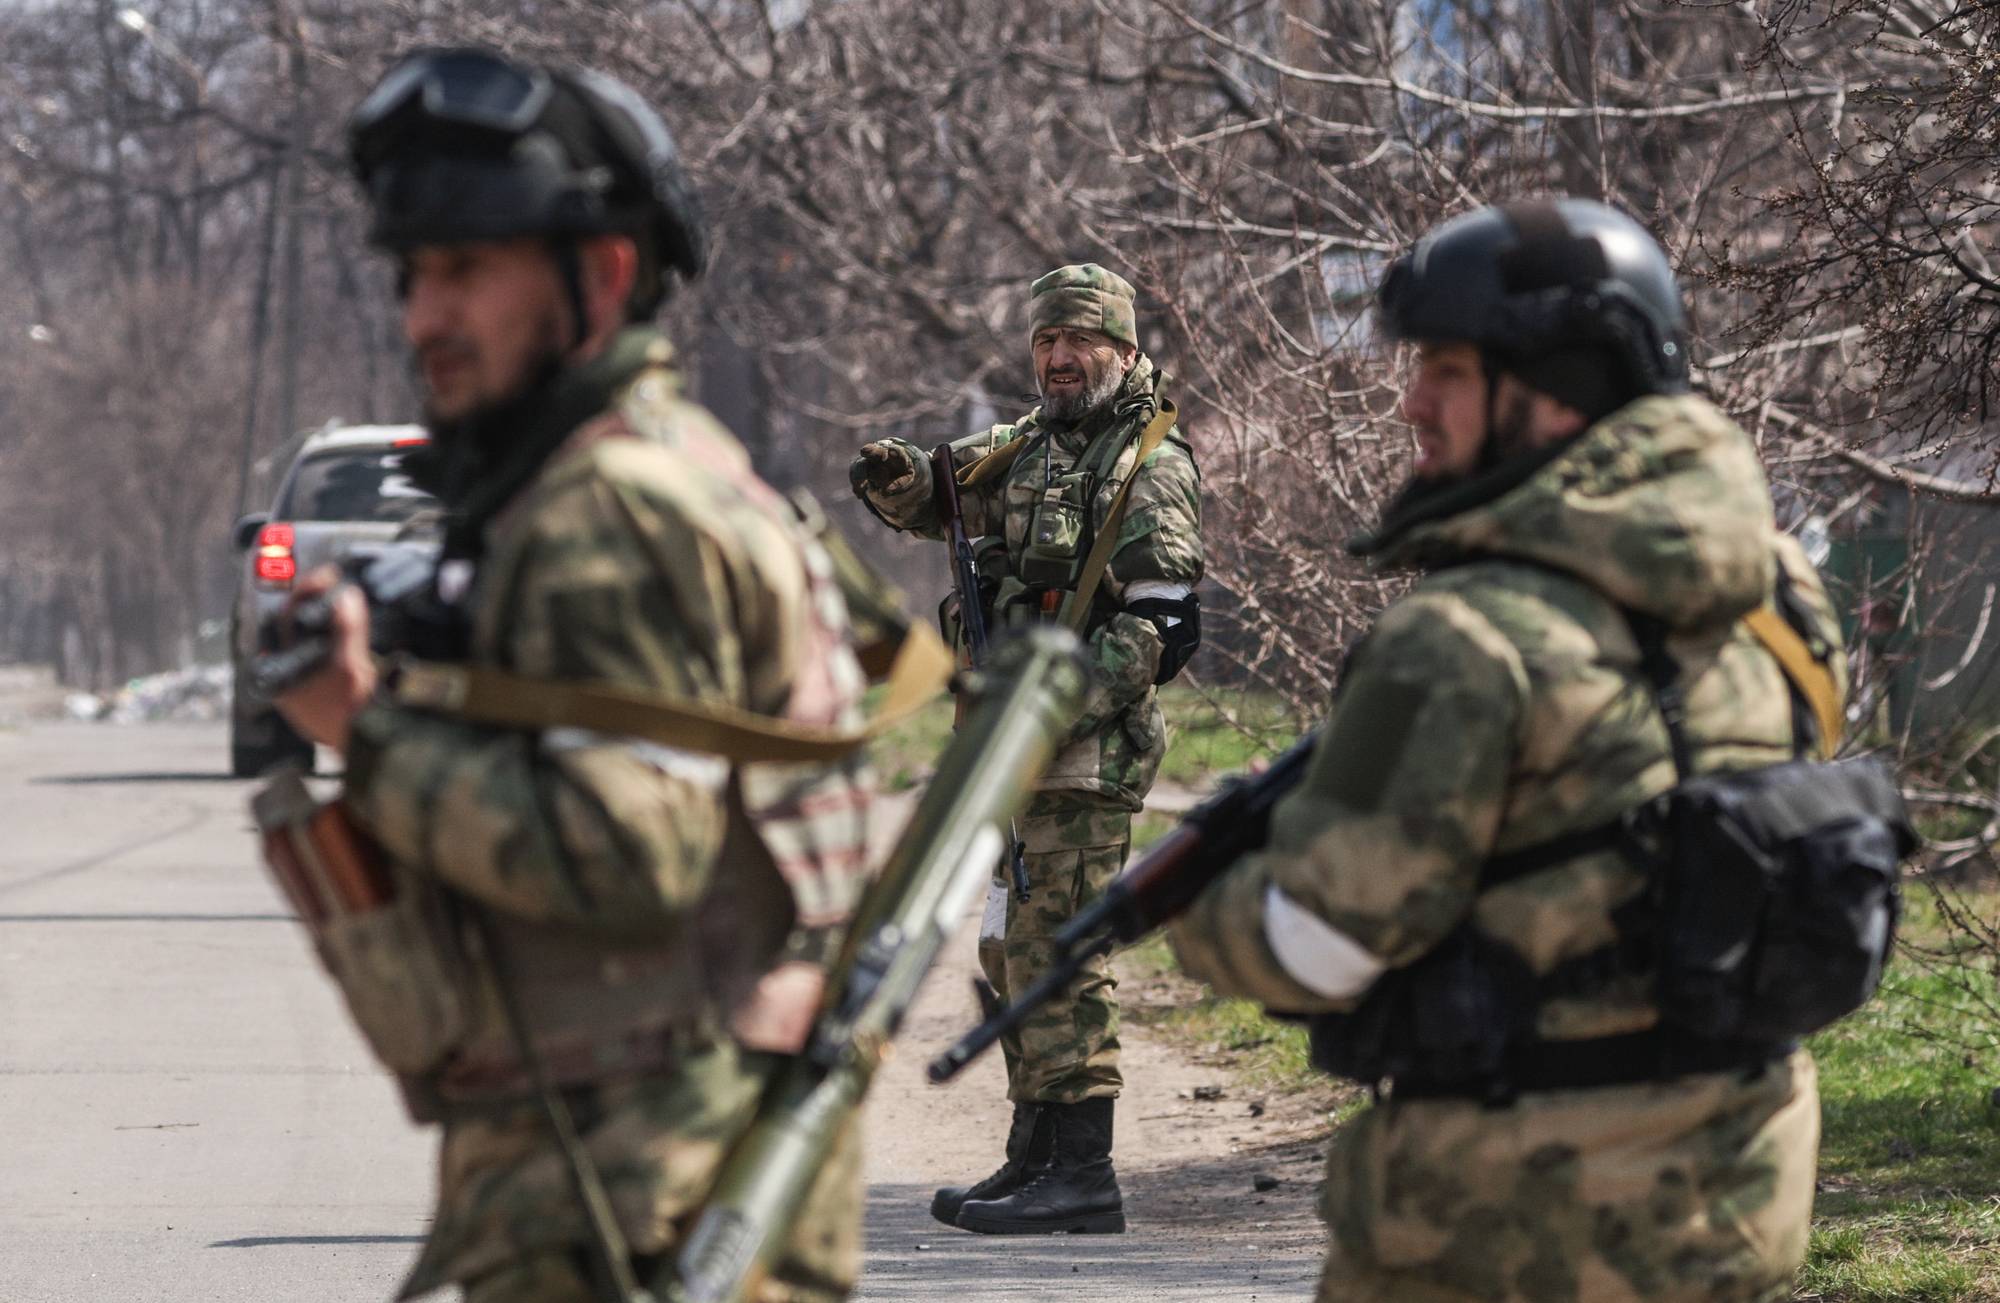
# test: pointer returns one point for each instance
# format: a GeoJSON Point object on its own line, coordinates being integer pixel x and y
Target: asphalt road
{"type": "Point", "coordinates": [189, 1117]}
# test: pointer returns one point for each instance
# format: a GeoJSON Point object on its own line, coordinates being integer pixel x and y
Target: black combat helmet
{"type": "Point", "coordinates": [1571, 295]}
{"type": "Point", "coordinates": [455, 145]}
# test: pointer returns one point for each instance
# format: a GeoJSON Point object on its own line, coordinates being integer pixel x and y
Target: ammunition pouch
{"type": "Point", "coordinates": [1178, 621]}
{"type": "Point", "coordinates": [1456, 1013]}
{"type": "Point", "coordinates": [1780, 896]}
{"type": "Point", "coordinates": [1017, 603]}
{"type": "Point", "coordinates": [386, 937]}
{"type": "Point", "coordinates": [1055, 541]}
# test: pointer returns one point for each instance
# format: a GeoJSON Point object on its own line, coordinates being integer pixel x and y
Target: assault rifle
{"type": "Point", "coordinates": [971, 613]}
{"type": "Point", "coordinates": [1034, 687]}
{"type": "Point", "coordinates": [396, 578]}
{"type": "Point", "coordinates": [1160, 885]}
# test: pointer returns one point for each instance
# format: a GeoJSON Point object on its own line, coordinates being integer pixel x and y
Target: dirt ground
{"type": "Point", "coordinates": [1193, 1143]}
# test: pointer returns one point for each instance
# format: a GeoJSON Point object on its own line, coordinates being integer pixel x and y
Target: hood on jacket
{"type": "Point", "coordinates": [1662, 506]}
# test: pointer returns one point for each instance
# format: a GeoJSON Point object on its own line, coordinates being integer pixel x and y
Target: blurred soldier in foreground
{"type": "Point", "coordinates": [1453, 871]}
{"type": "Point", "coordinates": [1045, 492]}
{"type": "Point", "coordinates": [637, 931]}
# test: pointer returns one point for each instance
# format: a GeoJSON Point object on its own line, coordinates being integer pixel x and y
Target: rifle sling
{"type": "Point", "coordinates": [614, 1254]}
{"type": "Point", "coordinates": [1076, 607]}
{"type": "Point", "coordinates": [998, 461]}
{"type": "Point", "coordinates": [485, 695]}
{"type": "Point", "coordinates": [1811, 678]}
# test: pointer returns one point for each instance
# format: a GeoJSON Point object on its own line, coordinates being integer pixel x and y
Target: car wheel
{"type": "Point", "coordinates": [258, 746]}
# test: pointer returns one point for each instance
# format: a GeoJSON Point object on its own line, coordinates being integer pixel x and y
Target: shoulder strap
{"type": "Point", "coordinates": [613, 1251]}
{"type": "Point", "coordinates": [484, 695]}
{"type": "Point", "coordinates": [1663, 677]}
{"type": "Point", "coordinates": [1000, 460]}
{"type": "Point", "coordinates": [1812, 680]}
{"type": "Point", "coordinates": [1076, 609]}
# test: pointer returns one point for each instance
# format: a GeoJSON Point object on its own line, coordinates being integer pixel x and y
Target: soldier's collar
{"type": "Point", "coordinates": [1423, 503]}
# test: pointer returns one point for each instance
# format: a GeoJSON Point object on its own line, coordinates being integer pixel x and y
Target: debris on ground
{"type": "Point", "coordinates": [196, 695]}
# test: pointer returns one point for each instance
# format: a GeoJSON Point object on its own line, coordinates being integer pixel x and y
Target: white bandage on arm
{"type": "Point", "coordinates": [698, 769]}
{"type": "Point", "coordinates": [1160, 588]}
{"type": "Point", "coordinates": [1314, 953]}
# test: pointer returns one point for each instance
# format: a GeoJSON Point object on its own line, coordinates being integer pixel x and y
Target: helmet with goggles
{"type": "Point", "coordinates": [1571, 295]}
{"type": "Point", "coordinates": [455, 145]}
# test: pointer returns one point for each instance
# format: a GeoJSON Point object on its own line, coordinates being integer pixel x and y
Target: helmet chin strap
{"type": "Point", "coordinates": [1489, 451]}
{"type": "Point", "coordinates": [569, 265]}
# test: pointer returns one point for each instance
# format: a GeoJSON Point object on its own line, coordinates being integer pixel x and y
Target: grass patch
{"type": "Point", "coordinates": [1209, 735]}
{"type": "Point", "coordinates": [1212, 733]}
{"type": "Point", "coordinates": [1910, 1148]}
{"type": "Point", "coordinates": [905, 755]}
{"type": "Point", "coordinates": [1267, 1052]}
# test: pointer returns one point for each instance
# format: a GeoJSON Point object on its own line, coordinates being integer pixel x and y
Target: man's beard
{"type": "Point", "coordinates": [1508, 433]}
{"type": "Point", "coordinates": [1073, 407]}
{"type": "Point", "coordinates": [541, 366]}
{"type": "Point", "coordinates": [1507, 436]}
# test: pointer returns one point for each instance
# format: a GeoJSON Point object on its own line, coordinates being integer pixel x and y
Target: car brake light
{"type": "Point", "coordinates": [412, 441]}
{"type": "Point", "coordinates": [275, 563]}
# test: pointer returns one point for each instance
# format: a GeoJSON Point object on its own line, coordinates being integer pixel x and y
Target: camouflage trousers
{"type": "Point", "coordinates": [1068, 1051]}
{"type": "Point", "coordinates": [1693, 1191]}
{"type": "Point", "coordinates": [509, 1229]}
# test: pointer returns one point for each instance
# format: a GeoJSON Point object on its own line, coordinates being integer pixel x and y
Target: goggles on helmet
{"type": "Point", "coordinates": [455, 87]}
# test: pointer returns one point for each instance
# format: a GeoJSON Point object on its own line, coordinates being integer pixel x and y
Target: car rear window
{"type": "Point", "coordinates": [366, 484]}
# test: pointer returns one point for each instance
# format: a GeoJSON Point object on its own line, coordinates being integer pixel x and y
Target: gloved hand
{"type": "Point", "coordinates": [881, 468]}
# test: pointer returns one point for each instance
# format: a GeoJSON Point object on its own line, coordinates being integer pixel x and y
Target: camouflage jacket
{"type": "Point", "coordinates": [1500, 704]}
{"type": "Point", "coordinates": [1115, 747]}
{"type": "Point", "coordinates": [647, 903]}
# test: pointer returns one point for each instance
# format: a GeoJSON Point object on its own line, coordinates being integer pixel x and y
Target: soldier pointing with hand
{"type": "Point", "coordinates": [1090, 510]}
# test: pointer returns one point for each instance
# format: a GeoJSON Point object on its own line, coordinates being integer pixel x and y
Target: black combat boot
{"type": "Point", "coordinates": [1027, 1149]}
{"type": "Point", "coordinates": [1076, 1190]}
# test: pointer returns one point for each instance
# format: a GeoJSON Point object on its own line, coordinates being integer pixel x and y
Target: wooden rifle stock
{"type": "Point", "coordinates": [1155, 889]}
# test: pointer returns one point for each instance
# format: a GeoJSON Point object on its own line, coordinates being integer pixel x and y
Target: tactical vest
{"type": "Point", "coordinates": [1064, 547]}
{"type": "Point", "coordinates": [751, 962]}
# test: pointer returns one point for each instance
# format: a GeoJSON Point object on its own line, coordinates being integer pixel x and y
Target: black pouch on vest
{"type": "Point", "coordinates": [1454, 1014]}
{"type": "Point", "coordinates": [1780, 896]}
{"type": "Point", "coordinates": [1179, 623]}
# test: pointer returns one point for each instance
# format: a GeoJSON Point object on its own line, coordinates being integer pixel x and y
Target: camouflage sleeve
{"type": "Point", "coordinates": [1158, 543]}
{"type": "Point", "coordinates": [1384, 836]}
{"type": "Point", "coordinates": [618, 587]}
{"type": "Point", "coordinates": [913, 509]}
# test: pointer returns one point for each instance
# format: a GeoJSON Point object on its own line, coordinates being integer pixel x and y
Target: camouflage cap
{"type": "Point", "coordinates": [1086, 295]}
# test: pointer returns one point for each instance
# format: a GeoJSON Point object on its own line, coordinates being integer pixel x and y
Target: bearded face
{"type": "Point", "coordinates": [1467, 423]}
{"type": "Point", "coordinates": [485, 320]}
{"type": "Point", "coordinates": [1077, 371]}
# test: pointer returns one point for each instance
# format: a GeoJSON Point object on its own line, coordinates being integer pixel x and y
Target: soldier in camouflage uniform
{"type": "Point", "coordinates": [660, 917]}
{"type": "Point", "coordinates": [1040, 516]}
{"type": "Point", "coordinates": [1564, 479]}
